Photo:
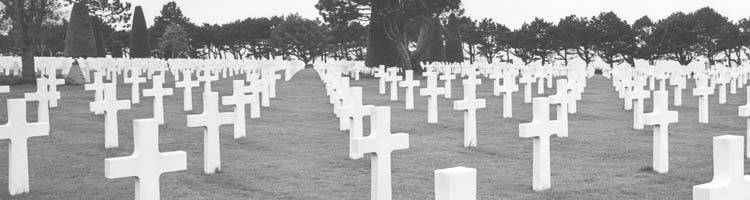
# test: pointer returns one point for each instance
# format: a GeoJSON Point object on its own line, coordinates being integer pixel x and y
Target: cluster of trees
{"type": "Point", "coordinates": [680, 37]}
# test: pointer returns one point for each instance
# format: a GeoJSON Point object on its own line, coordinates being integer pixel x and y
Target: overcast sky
{"type": "Point", "coordinates": [512, 13]}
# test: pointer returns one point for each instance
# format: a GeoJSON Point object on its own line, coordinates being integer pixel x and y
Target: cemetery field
{"type": "Point", "coordinates": [295, 150]}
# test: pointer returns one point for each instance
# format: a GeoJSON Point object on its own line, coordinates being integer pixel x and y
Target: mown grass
{"type": "Point", "coordinates": [295, 150]}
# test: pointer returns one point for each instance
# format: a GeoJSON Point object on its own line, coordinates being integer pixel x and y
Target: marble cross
{"type": "Point", "coordinates": [730, 181]}
{"type": "Point", "coordinates": [432, 91]}
{"type": "Point", "coordinates": [469, 105]}
{"type": "Point", "coordinates": [158, 92]}
{"type": "Point", "coordinates": [146, 163]}
{"type": "Point", "coordinates": [541, 129]}
{"type": "Point", "coordinates": [355, 112]}
{"type": "Point", "coordinates": [210, 120]}
{"type": "Point", "coordinates": [188, 84]}
{"type": "Point", "coordinates": [660, 118]}
{"type": "Point", "coordinates": [135, 80]}
{"type": "Point", "coordinates": [409, 83]}
{"type": "Point", "coordinates": [238, 100]}
{"type": "Point", "coordinates": [381, 143]}
{"type": "Point", "coordinates": [18, 131]}
{"type": "Point", "coordinates": [109, 106]}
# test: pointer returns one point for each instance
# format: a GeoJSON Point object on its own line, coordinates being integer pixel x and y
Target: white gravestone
{"type": "Point", "coordinates": [540, 85]}
{"type": "Point", "coordinates": [448, 77]}
{"type": "Point", "coordinates": [469, 105]}
{"type": "Point", "coordinates": [409, 83]}
{"type": "Point", "coordinates": [432, 91]}
{"type": "Point", "coordinates": [53, 82]}
{"type": "Point", "coordinates": [270, 78]}
{"type": "Point", "coordinates": [541, 129]}
{"type": "Point", "coordinates": [703, 91]}
{"type": "Point", "coordinates": [187, 93]}
{"type": "Point", "coordinates": [254, 89]}
{"type": "Point", "coordinates": [206, 77]}
{"type": "Point", "coordinates": [679, 82]}
{"type": "Point", "coordinates": [18, 131]}
{"type": "Point", "coordinates": [135, 80]}
{"type": "Point", "coordinates": [238, 100]}
{"type": "Point", "coordinates": [722, 82]}
{"type": "Point", "coordinates": [42, 96]}
{"type": "Point", "coordinates": [4, 89]}
{"type": "Point", "coordinates": [509, 86]}
{"type": "Point", "coordinates": [146, 163]}
{"type": "Point", "coordinates": [730, 181]}
{"type": "Point", "coordinates": [393, 78]}
{"type": "Point", "coordinates": [458, 183]}
{"type": "Point", "coordinates": [744, 111]}
{"type": "Point", "coordinates": [355, 112]}
{"type": "Point", "coordinates": [639, 95]}
{"type": "Point", "coordinates": [381, 74]}
{"type": "Point", "coordinates": [660, 118]}
{"type": "Point", "coordinates": [381, 143]}
{"type": "Point", "coordinates": [109, 106]}
{"type": "Point", "coordinates": [210, 120]}
{"type": "Point", "coordinates": [560, 101]}
{"type": "Point", "coordinates": [527, 80]}
{"type": "Point", "coordinates": [627, 89]}
{"type": "Point", "coordinates": [158, 92]}
{"type": "Point", "coordinates": [97, 87]}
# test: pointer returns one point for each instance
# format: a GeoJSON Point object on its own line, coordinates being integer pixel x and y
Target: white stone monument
{"type": "Point", "coordinates": [381, 143]}
{"type": "Point", "coordinates": [660, 118]}
{"type": "Point", "coordinates": [146, 163]}
{"type": "Point", "coordinates": [409, 83]}
{"type": "Point", "coordinates": [458, 183]}
{"type": "Point", "coordinates": [109, 106]}
{"type": "Point", "coordinates": [448, 77]}
{"type": "Point", "coordinates": [158, 92]}
{"type": "Point", "coordinates": [509, 86]}
{"type": "Point", "coordinates": [730, 181]}
{"type": "Point", "coordinates": [188, 84]}
{"type": "Point", "coordinates": [703, 91]}
{"type": "Point", "coordinates": [238, 100]}
{"type": "Point", "coordinates": [469, 105]}
{"type": "Point", "coordinates": [18, 131]}
{"type": "Point", "coordinates": [432, 91]}
{"type": "Point", "coordinates": [135, 80]}
{"type": "Point", "coordinates": [210, 120]}
{"type": "Point", "coordinates": [393, 78]}
{"type": "Point", "coordinates": [541, 129]}
{"type": "Point", "coordinates": [43, 96]}
{"type": "Point", "coordinates": [355, 111]}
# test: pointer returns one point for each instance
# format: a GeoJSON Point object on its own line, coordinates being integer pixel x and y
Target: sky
{"type": "Point", "coordinates": [512, 13]}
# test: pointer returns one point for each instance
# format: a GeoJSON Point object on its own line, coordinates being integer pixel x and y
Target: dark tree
{"type": "Point", "coordinates": [614, 38]}
{"type": "Point", "coordinates": [454, 51]}
{"type": "Point", "coordinates": [26, 19]}
{"type": "Point", "coordinates": [708, 25]}
{"type": "Point", "coordinates": [80, 40]}
{"type": "Point", "coordinates": [646, 44]}
{"type": "Point", "coordinates": [303, 38]}
{"type": "Point", "coordinates": [677, 37]}
{"type": "Point", "coordinates": [139, 47]}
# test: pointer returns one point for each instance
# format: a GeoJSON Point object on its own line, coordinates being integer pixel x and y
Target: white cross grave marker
{"type": "Point", "coordinates": [239, 100]}
{"type": "Point", "coordinates": [541, 129]}
{"type": "Point", "coordinates": [355, 112]}
{"type": "Point", "coordinates": [381, 143]}
{"type": "Point", "coordinates": [409, 83]}
{"type": "Point", "coordinates": [43, 96]}
{"type": "Point", "coordinates": [146, 163]}
{"type": "Point", "coordinates": [158, 92]}
{"type": "Point", "coordinates": [187, 94]}
{"type": "Point", "coordinates": [660, 118]}
{"type": "Point", "coordinates": [448, 77]}
{"type": "Point", "coordinates": [135, 80]}
{"type": "Point", "coordinates": [394, 78]}
{"type": "Point", "coordinates": [509, 86]}
{"type": "Point", "coordinates": [109, 106]}
{"type": "Point", "coordinates": [469, 105]}
{"type": "Point", "coordinates": [211, 119]}
{"type": "Point", "coordinates": [18, 131]}
{"type": "Point", "coordinates": [432, 91]}
{"type": "Point", "coordinates": [703, 91]}
{"type": "Point", "coordinates": [744, 111]}
{"type": "Point", "coordinates": [639, 95]}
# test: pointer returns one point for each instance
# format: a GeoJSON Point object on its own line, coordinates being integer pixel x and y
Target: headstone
{"type": "Point", "coordinates": [660, 118]}
{"type": "Point", "coordinates": [355, 112]}
{"type": "Point", "coordinates": [527, 80]}
{"type": "Point", "coordinates": [146, 163]}
{"type": "Point", "coordinates": [730, 181]}
{"type": "Point", "coordinates": [188, 84]}
{"type": "Point", "coordinates": [723, 79]}
{"type": "Point", "coordinates": [458, 183]}
{"type": "Point", "coordinates": [238, 100]}
{"type": "Point", "coordinates": [469, 105]}
{"type": "Point", "coordinates": [509, 86]}
{"type": "Point", "coordinates": [97, 87]}
{"type": "Point", "coordinates": [448, 77]}
{"type": "Point", "coordinates": [158, 92]}
{"type": "Point", "coordinates": [53, 82]}
{"type": "Point", "coordinates": [254, 89]}
{"type": "Point", "coordinates": [409, 83]}
{"type": "Point", "coordinates": [381, 74]}
{"type": "Point", "coordinates": [381, 143]}
{"type": "Point", "coordinates": [206, 77]}
{"type": "Point", "coordinates": [432, 91]}
{"type": "Point", "coordinates": [42, 96]}
{"type": "Point", "coordinates": [135, 80]}
{"type": "Point", "coordinates": [638, 95]}
{"type": "Point", "coordinates": [560, 101]}
{"type": "Point", "coordinates": [702, 91]}
{"type": "Point", "coordinates": [393, 78]}
{"type": "Point", "coordinates": [4, 89]}
{"type": "Point", "coordinates": [18, 131]}
{"type": "Point", "coordinates": [210, 120]}
{"type": "Point", "coordinates": [540, 85]}
{"type": "Point", "coordinates": [109, 106]}
{"type": "Point", "coordinates": [541, 129]}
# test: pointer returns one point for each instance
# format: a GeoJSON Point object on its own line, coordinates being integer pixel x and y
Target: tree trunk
{"type": "Point", "coordinates": [27, 60]}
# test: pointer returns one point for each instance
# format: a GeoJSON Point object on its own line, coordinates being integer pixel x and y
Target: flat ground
{"type": "Point", "coordinates": [296, 151]}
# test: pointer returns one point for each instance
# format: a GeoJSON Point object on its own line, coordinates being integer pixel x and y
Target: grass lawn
{"type": "Point", "coordinates": [295, 150]}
